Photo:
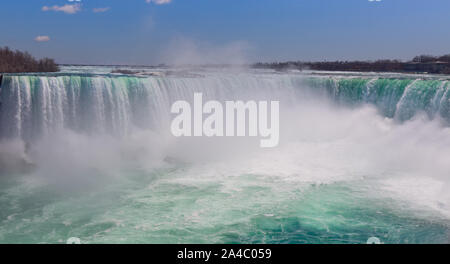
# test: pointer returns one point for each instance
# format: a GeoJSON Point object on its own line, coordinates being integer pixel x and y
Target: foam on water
{"type": "Point", "coordinates": [359, 157]}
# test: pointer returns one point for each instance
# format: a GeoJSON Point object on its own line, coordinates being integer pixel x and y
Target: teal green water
{"type": "Point", "coordinates": [155, 208]}
{"type": "Point", "coordinates": [395, 98]}
{"type": "Point", "coordinates": [372, 162]}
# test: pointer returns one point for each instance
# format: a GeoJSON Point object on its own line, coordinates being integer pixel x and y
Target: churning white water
{"type": "Point", "coordinates": [91, 155]}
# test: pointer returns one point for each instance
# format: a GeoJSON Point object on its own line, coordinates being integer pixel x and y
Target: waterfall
{"type": "Point", "coordinates": [32, 106]}
{"type": "Point", "coordinates": [400, 99]}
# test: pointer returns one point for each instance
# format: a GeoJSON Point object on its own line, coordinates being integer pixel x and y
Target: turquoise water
{"type": "Point", "coordinates": [147, 208]}
{"type": "Point", "coordinates": [359, 157]}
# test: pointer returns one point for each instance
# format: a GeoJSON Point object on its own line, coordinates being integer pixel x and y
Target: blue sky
{"type": "Point", "coordinates": [224, 31]}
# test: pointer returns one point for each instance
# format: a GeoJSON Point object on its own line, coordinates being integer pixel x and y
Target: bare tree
{"type": "Point", "coordinates": [17, 61]}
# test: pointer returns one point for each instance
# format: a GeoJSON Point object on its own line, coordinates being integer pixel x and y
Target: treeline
{"type": "Point", "coordinates": [419, 64]}
{"type": "Point", "coordinates": [16, 61]}
{"type": "Point", "coordinates": [430, 58]}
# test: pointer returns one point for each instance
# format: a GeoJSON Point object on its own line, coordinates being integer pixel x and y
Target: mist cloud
{"type": "Point", "coordinates": [186, 51]}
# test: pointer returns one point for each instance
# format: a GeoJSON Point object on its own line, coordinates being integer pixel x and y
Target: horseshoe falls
{"type": "Point", "coordinates": [89, 154]}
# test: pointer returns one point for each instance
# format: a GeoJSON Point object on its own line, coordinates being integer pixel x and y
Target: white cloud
{"type": "Point", "coordinates": [68, 9]}
{"type": "Point", "coordinates": [159, 2]}
{"type": "Point", "coordinates": [100, 10]}
{"type": "Point", "coordinates": [42, 38]}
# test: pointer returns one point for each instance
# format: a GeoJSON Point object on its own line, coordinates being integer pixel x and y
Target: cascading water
{"type": "Point", "coordinates": [36, 105]}
{"type": "Point", "coordinates": [359, 156]}
{"type": "Point", "coordinates": [43, 104]}
{"type": "Point", "coordinates": [395, 98]}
